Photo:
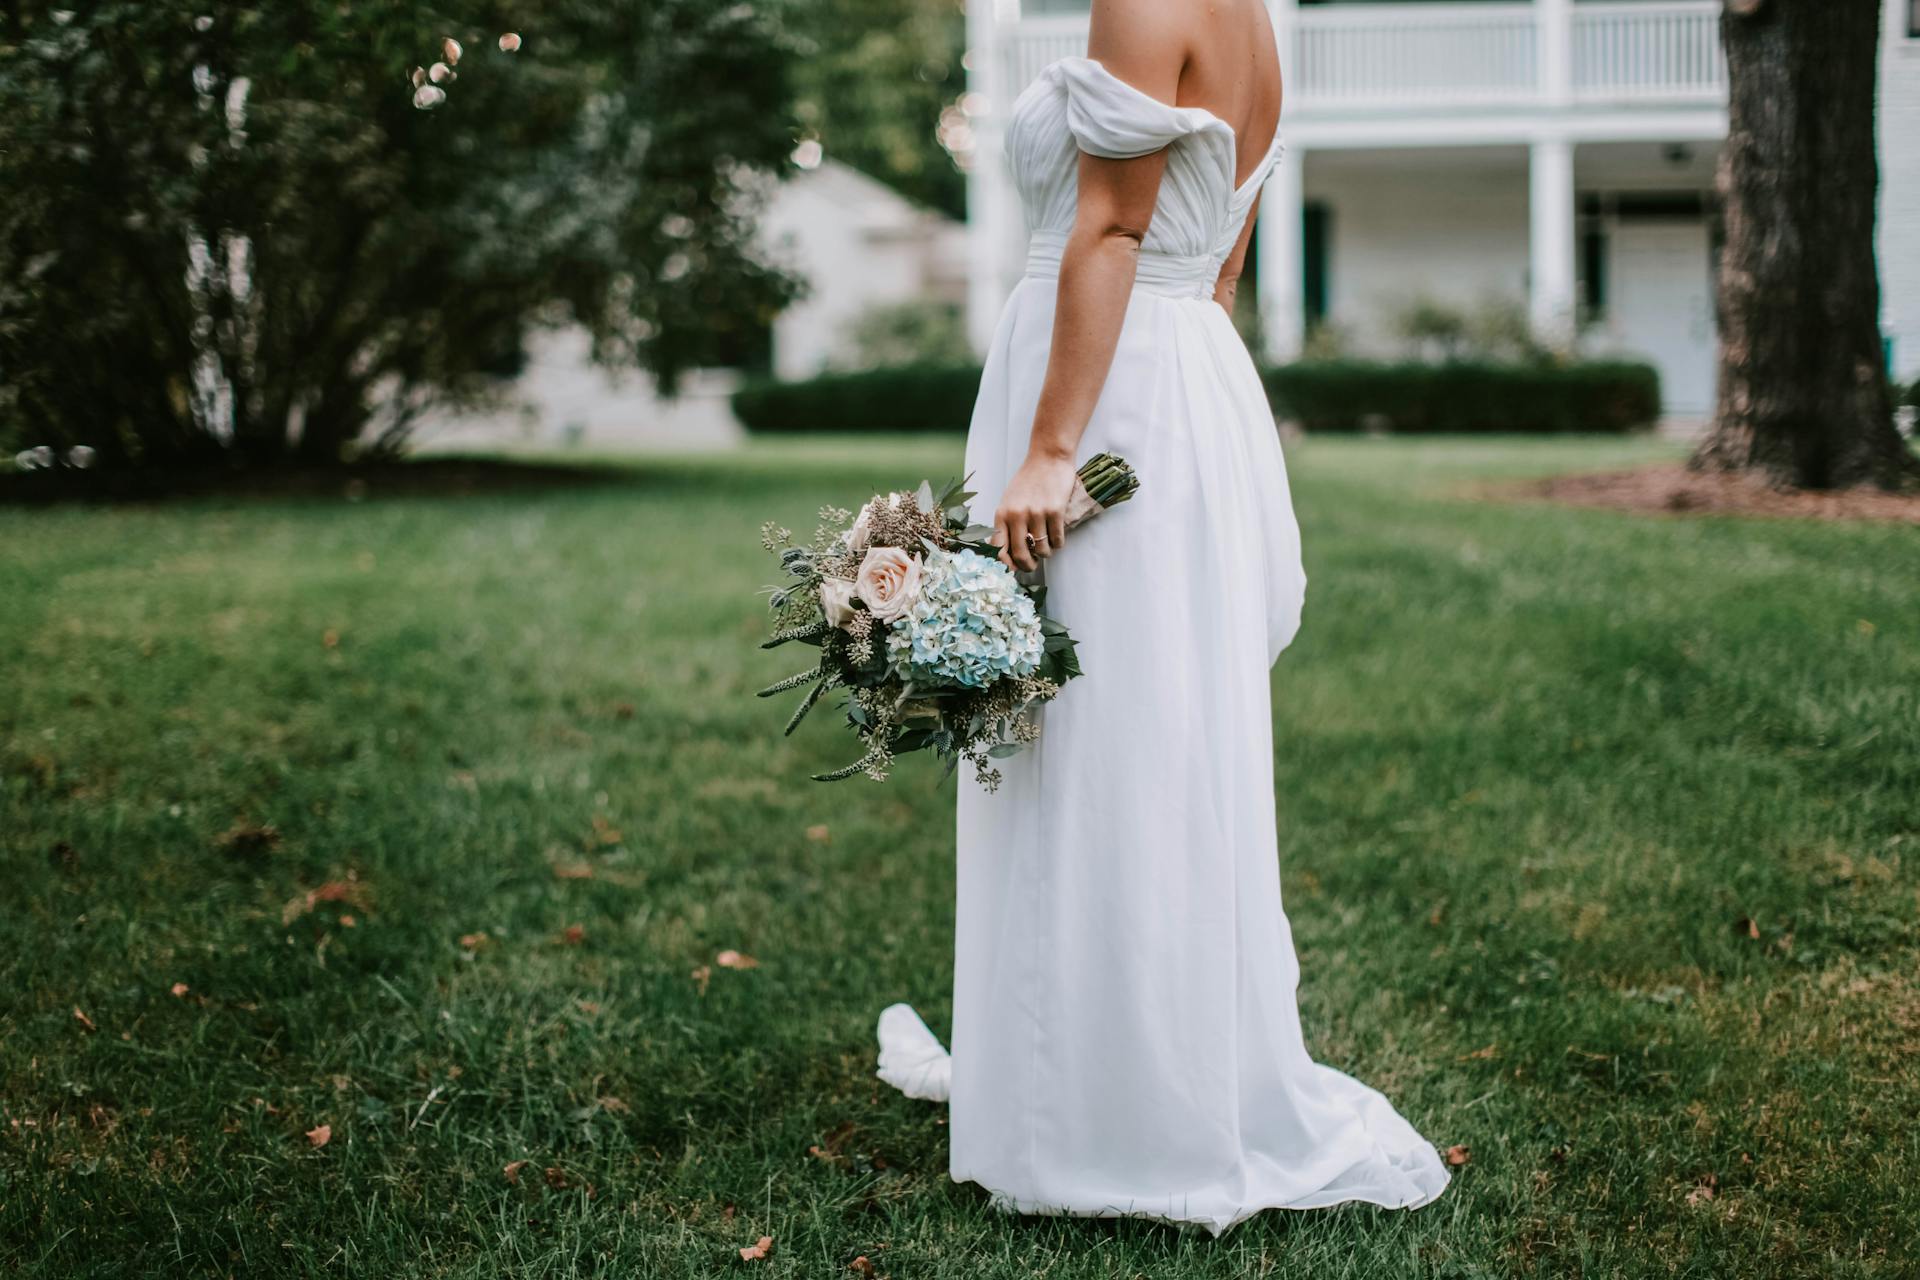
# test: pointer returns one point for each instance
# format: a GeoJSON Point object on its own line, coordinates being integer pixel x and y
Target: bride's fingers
{"type": "Point", "coordinates": [1002, 538]}
{"type": "Point", "coordinates": [1056, 531]}
{"type": "Point", "coordinates": [1024, 537]}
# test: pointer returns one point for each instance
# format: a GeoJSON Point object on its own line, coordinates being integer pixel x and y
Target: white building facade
{"type": "Point", "coordinates": [859, 245]}
{"type": "Point", "coordinates": [1552, 154]}
{"type": "Point", "coordinates": [856, 244]}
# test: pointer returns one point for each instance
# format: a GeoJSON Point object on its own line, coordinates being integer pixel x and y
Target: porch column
{"type": "Point", "coordinates": [1550, 280]}
{"type": "Point", "coordinates": [1280, 268]}
{"type": "Point", "coordinates": [987, 179]}
{"type": "Point", "coordinates": [1553, 30]}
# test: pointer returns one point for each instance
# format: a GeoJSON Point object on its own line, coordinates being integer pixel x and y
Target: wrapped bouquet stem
{"type": "Point", "coordinates": [938, 645]}
{"type": "Point", "coordinates": [1104, 481]}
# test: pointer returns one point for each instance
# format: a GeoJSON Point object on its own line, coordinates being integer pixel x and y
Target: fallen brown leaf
{"type": "Point", "coordinates": [1481, 1054]}
{"type": "Point", "coordinates": [573, 871]}
{"type": "Point", "coordinates": [81, 1017]}
{"type": "Point", "coordinates": [352, 892]}
{"type": "Point", "coordinates": [320, 1135]}
{"type": "Point", "coordinates": [623, 711]}
{"type": "Point", "coordinates": [1704, 1189]}
{"type": "Point", "coordinates": [735, 960]}
{"type": "Point", "coordinates": [1457, 1156]}
{"type": "Point", "coordinates": [179, 989]}
{"type": "Point", "coordinates": [513, 1171]}
{"type": "Point", "coordinates": [330, 638]}
{"type": "Point", "coordinates": [701, 977]}
{"type": "Point", "coordinates": [1746, 927]}
{"type": "Point", "coordinates": [474, 941]}
{"type": "Point", "coordinates": [587, 1007]}
{"type": "Point", "coordinates": [863, 1267]}
{"type": "Point", "coordinates": [819, 834]}
{"type": "Point", "coordinates": [616, 1105]}
{"type": "Point", "coordinates": [557, 1178]}
{"type": "Point", "coordinates": [573, 935]}
{"type": "Point", "coordinates": [604, 832]}
{"type": "Point", "coordinates": [757, 1250]}
{"type": "Point", "coordinates": [726, 1214]}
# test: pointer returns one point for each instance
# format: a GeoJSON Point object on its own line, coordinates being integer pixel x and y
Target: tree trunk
{"type": "Point", "coordinates": [1803, 390]}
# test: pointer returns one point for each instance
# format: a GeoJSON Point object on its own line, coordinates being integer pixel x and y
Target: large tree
{"type": "Point", "coordinates": [232, 231]}
{"type": "Point", "coordinates": [1804, 397]}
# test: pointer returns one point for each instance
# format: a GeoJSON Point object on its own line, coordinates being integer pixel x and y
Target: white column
{"type": "Point", "coordinates": [1280, 265]}
{"type": "Point", "coordinates": [1553, 30]}
{"type": "Point", "coordinates": [1551, 242]}
{"type": "Point", "coordinates": [1279, 268]}
{"type": "Point", "coordinates": [987, 181]}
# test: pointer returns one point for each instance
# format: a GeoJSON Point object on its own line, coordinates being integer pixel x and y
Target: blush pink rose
{"type": "Point", "coordinates": [888, 582]}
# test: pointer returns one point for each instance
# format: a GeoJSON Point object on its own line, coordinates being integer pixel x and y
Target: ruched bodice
{"type": "Point", "coordinates": [1078, 105]}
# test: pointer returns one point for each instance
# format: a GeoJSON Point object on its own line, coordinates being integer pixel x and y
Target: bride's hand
{"type": "Point", "coordinates": [1031, 523]}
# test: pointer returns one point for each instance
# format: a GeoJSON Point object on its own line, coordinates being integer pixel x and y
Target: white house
{"type": "Point", "coordinates": [856, 243]}
{"type": "Point", "coordinates": [1560, 152]}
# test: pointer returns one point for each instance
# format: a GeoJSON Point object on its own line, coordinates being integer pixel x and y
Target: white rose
{"type": "Point", "coordinates": [862, 529]}
{"type": "Point", "coordinates": [836, 599]}
{"type": "Point", "coordinates": [888, 582]}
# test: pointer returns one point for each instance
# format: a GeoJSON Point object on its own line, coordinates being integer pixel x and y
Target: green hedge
{"type": "Point", "coordinates": [1322, 395]}
{"type": "Point", "coordinates": [1466, 396]}
{"type": "Point", "coordinates": [909, 397]}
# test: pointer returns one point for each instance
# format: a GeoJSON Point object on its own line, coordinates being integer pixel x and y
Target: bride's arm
{"type": "Point", "coordinates": [1138, 41]}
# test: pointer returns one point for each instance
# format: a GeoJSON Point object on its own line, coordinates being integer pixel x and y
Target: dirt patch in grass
{"type": "Point", "coordinates": [1672, 489]}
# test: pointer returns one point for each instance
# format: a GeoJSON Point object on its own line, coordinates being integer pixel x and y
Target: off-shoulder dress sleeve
{"type": "Point", "coordinates": [1110, 118]}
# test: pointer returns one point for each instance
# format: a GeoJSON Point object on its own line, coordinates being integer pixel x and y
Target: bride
{"type": "Point", "coordinates": [1125, 1035]}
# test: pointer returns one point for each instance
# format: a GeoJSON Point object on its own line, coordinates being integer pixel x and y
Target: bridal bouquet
{"type": "Point", "coordinates": [938, 644]}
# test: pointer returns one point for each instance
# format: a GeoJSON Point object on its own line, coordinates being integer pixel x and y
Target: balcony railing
{"type": "Point", "coordinates": [1634, 50]}
{"type": "Point", "coordinates": [1413, 55]}
{"type": "Point", "coordinates": [1417, 57]}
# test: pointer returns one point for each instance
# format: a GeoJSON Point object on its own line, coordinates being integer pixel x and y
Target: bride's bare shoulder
{"type": "Point", "coordinates": [1144, 42]}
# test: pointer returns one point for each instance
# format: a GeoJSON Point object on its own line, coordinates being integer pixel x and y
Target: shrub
{"type": "Point", "coordinates": [920, 331]}
{"type": "Point", "coordinates": [913, 397]}
{"type": "Point", "coordinates": [1322, 395]}
{"type": "Point", "coordinates": [1466, 396]}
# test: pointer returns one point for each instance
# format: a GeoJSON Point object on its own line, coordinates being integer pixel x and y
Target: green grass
{"type": "Point", "coordinates": [1534, 764]}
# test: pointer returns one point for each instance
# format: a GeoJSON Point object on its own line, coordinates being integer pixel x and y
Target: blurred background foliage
{"type": "Point", "coordinates": [874, 79]}
{"type": "Point", "coordinates": [229, 233]}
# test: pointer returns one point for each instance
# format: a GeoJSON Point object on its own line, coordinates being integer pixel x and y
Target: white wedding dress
{"type": "Point", "coordinates": [1125, 1034]}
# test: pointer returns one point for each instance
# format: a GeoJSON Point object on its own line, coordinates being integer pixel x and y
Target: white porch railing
{"type": "Point", "coordinates": [1413, 54]}
{"type": "Point", "coordinates": [1408, 58]}
{"type": "Point", "coordinates": [1034, 44]}
{"type": "Point", "coordinates": [1631, 49]}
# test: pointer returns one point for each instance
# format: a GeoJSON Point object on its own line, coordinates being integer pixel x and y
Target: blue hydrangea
{"type": "Point", "coordinates": [971, 625]}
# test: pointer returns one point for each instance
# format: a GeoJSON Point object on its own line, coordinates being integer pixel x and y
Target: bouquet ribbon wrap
{"type": "Point", "coordinates": [1081, 505]}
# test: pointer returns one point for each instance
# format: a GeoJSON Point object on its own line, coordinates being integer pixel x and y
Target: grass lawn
{"type": "Point", "coordinates": [1600, 836]}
